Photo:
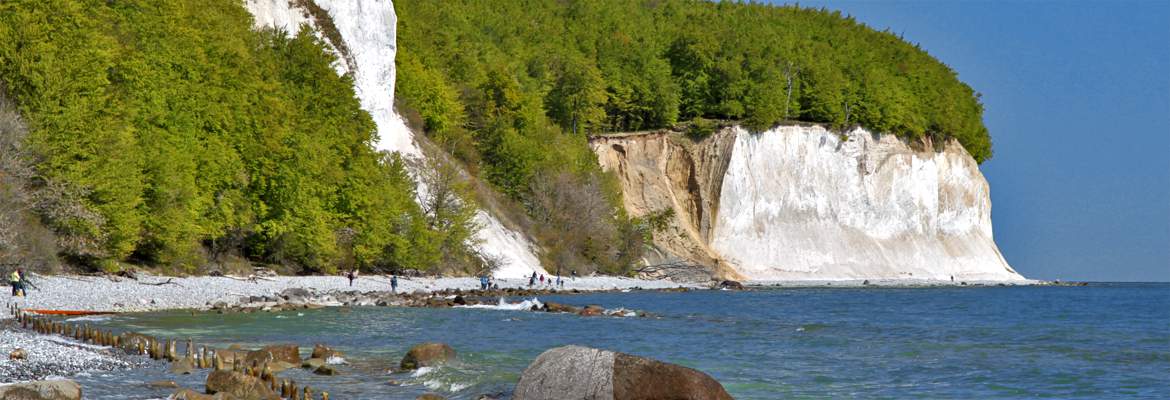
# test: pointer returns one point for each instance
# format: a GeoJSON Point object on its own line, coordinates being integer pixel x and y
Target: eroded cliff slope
{"type": "Point", "coordinates": [804, 203]}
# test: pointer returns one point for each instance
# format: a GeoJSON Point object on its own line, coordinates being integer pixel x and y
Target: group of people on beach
{"type": "Point", "coordinates": [535, 276]}
{"type": "Point", "coordinates": [352, 275]}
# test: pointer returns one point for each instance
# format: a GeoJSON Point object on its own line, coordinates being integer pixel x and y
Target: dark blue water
{"type": "Point", "coordinates": [1102, 341]}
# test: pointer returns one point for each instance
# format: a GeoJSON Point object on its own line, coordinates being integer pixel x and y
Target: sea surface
{"type": "Point", "coordinates": [1096, 342]}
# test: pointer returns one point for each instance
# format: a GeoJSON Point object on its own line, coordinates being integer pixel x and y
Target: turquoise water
{"type": "Point", "coordinates": [1101, 341]}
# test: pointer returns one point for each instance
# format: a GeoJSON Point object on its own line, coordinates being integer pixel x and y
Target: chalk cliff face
{"type": "Point", "coordinates": [362, 34]}
{"type": "Point", "coordinates": [804, 203]}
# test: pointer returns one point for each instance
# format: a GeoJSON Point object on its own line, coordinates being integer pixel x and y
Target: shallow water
{"type": "Point", "coordinates": [1101, 341]}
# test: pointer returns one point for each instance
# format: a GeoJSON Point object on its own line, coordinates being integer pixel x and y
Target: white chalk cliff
{"type": "Point", "coordinates": [804, 203]}
{"type": "Point", "coordinates": [362, 34]}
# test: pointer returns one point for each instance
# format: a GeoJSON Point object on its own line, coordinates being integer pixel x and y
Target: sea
{"type": "Point", "coordinates": [1102, 341]}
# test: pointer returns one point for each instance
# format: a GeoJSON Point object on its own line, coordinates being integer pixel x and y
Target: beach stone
{"type": "Point", "coordinates": [239, 386]}
{"type": "Point", "coordinates": [289, 353]}
{"type": "Point", "coordinates": [313, 363]}
{"type": "Point", "coordinates": [300, 294]}
{"type": "Point", "coordinates": [426, 355]}
{"type": "Point", "coordinates": [57, 389]}
{"type": "Point", "coordinates": [326, 370]}
{"type": "Point", "coordinates": [18, 354]}
{"type": "Point", "coordinates": [164, 384]}
{"type": "Point", "coordinates": [585, 373]}
{"type": "Point", "coordinates": [430, 396]}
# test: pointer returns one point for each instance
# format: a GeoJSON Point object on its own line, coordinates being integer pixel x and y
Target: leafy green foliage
{"type": "Point", "coordinates": [614, 65]}
{"type": "Point", "coordinates": [193, 138]}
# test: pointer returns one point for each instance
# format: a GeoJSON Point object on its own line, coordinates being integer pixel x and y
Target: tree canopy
{"type": "Point", "coordinates": [615, 65]}
{"type": "Point", "coordinates": [193, 137]}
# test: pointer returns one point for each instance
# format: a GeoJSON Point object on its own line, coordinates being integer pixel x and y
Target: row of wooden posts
{"type": "Point", "coordinates": [202, 358]}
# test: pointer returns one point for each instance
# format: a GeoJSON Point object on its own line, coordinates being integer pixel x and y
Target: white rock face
{"type": "Point", "coordinates": [368, 29]}
{"type": "Point", "coordinates": [804, 203]}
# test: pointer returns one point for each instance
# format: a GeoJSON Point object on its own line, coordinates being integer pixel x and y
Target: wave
{"type": "Point", "coordinates": [505, 305]}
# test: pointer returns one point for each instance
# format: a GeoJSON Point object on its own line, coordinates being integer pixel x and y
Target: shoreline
{"type": "Point", "coordinates": [160, 293]}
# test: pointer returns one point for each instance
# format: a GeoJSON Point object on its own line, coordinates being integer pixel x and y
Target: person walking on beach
{"type": "Point", "coordinates": [394, 283]}
{"type": "Point", "coordinates": [532, 280]}
{"type": "Point", "coordinates": [17, 282]}
{"type": "Point", "coordinates": [351, 275]}
{"type": "Point", "coordinates": [574, 274]}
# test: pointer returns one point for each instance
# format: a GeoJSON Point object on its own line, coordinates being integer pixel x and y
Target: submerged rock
{"type": "Point", "coordinates": [59, 389]}
{"type": "Point", "coordinates": [326, 370]}
{"type": "Point", "coordinates": [313, 363]}
{"type": "Point", "coordinates": [575, 372]}
{"type": "Point", "coordinates": [289, 353]}
{"type": "Point", "coordinates": [430, 396]}
{"type": "Point", "coordinates": [427, 355]}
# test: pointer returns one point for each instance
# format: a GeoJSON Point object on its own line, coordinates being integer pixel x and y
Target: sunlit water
{"type": "Point", "coordinates": [1102, 341]}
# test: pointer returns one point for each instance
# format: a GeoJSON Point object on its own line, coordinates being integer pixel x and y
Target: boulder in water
{"type": "Point", "coordinates": [239, 386]}
{"type": "Point", "coordinates": [584, 373]}
{"type": "Point", "coordinates": [430, 396]}
{"type": "Point", "coordinates": [427, 355]}
{"type": "Point", "coordinates": [183, 367]}
{"type": "Point", "coordinates": [322, 351]}
{"type": "Point", "coordinates": [57, 389]}
{"type": "Point", "coordinates": [188, 394]}
{"type": "Point", "coordinates": [591, 310]}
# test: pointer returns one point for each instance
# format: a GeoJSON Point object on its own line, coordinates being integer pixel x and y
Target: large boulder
{"type": "Point", "coordinates": [288, 353]}
{"type": "Point", "coordinates": [583, 373]}
{"type": "Point", "coordinates": [239, 385]}
{"type": "Point", "coordinates": [427, 355]}
{"type": "Point", "coordinates": [58, 389]}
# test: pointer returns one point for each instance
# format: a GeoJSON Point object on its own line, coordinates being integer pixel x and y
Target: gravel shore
{"type": "Point", "coordinates": [53, 355]}
{"type": "Point", "coordinates": [149, 293]}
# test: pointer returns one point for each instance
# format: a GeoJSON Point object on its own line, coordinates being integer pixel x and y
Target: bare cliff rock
{"type": "Point", "coordinates": [805, 203]}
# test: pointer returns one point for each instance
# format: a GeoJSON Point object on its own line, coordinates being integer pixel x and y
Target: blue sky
{"type": "Point", "coordinates": [1077, 99]}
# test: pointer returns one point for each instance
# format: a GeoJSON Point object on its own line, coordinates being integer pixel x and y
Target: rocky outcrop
{"type": "Point", "coordinates": [575, 372]}
{"type": "Point", "coordinates": [665, 174]}
{"type": "Point", "coordinates": [427, 355]}
{"type": "Point", "coordinates": [805, 203]}
{"type": "Point", "coordinates": [59, 389]}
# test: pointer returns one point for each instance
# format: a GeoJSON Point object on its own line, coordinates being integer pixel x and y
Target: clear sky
{"type": "Point", "coordinates": [1077, 99]}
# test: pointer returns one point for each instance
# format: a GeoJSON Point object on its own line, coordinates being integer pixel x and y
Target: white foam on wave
{"type": "Point", "coordinates": [90, 318]}
{"type": "Point", "coordinates": [505, 305]}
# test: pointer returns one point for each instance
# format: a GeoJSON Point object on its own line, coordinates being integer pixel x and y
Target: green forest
{"type": "Point", "coordinates": [174, 134]}
{"type": "Point", "coordinates": [495, 77]}
{"type": "Point", "coordinates": [170, 133]}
